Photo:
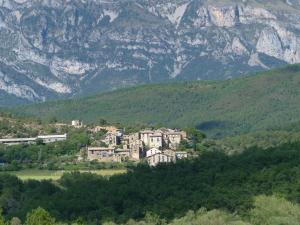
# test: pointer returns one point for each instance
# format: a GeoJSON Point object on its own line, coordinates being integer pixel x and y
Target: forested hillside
{"type": "Point", "coordinates": [214, 181]}
{"type": "Point", "coordinates": [267, 210]}
{"type": "Point", "coordinates": [225, 107]}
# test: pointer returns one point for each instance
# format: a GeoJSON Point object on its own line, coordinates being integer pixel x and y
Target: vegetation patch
{"type": "Point", "coordinates": [57, 174]}
{"type": "Point", "coordinates": [231, 107]}
{"type": "Point", "coordinates": [214, 181]}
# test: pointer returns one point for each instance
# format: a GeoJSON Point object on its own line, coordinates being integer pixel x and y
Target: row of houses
{"type": "Point", "coordinates": [44, 138]}
{"type": "Point", "coordinates": [153, 156]}
{"type": "Point", "coordinates": [156, 146]}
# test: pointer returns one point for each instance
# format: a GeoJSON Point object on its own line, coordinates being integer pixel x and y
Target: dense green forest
{"type": "Point", "coordinates": [231, 107]}
{"type": "Point", "coordinates": [224, 185]}
{"type": "Point", "coordinates": [251, 177]}
{"type": "Point", "coordinates": [266, 210]}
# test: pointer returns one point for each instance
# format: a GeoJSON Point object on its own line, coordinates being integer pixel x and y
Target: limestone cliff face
{"type": "Point", "coordinates": [57, 48]}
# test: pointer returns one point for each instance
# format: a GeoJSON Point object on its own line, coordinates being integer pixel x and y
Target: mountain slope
{"type": "Point", "coordinates": [56, 49]}
{"type": "Point", "coordinates": [233, 106]}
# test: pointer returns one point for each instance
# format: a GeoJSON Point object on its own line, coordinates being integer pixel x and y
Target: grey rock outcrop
{"type": "Point", "coordinates": [56, 48]}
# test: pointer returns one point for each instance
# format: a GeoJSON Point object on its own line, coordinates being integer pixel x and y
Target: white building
{"type": "Point", "coordinates": [160, 157]}
{"type": "Point", "coordinates": [45, 138]}
{"type": "Point", "coordinates": [145, 136]}
{"type": "Point", "coordinates": [156, 140]}
{"type": "Point", "coordinates": [17, 141]}
{"type": "Point", "coordinates": [52, 138]}
{"type": "Point", "coordinates": [152, 151]}
{"type": "Point", "coordinates": [77, 123]}
{"type": "Point", "coordinates": [162, 138]}
{"type": "Point", "coordinates": [181, 155]}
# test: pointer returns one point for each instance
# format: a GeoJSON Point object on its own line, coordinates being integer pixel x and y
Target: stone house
{"type": "Point", "coordinates": [77, 123]}
{"type": "Point", "coordinates": [171, 153]}
{"type": "Point", "coordinates": [183, 134]}
{"type": "Point", "coordinates": [181, 155]}
{"type": "Point", "coordinates": [156, 140]}
{"type": "Point", "coordinates": [152, 151]}
{"type": "Point", "coordinates": [112, 139]}
{"type": "Point", "coordinates": [110, 129]}
{"type": "Point", "coordinates": [122, 154]}
{"type": "Point", "coordinates": [102, 154]}
{"type": "Point", "coordinates": [174, 139]}
{"type": "Point", "coordinates": [133, 143]}
{"type": "Point", "coordinates": [171, 138]}
{"type": "Point", "coordinates": [137, 150]}
{"type": "Point", "coordinates": [160, 157]}
{"type": "Point", "coordinates": [162, 138]}
{"type": "Point", "coordinates": [145, 136]}
{"type": "Point", "coordinates": [129, 140]}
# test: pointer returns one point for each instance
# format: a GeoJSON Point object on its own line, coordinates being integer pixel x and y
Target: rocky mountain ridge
{"type": "Point", "coordinates": [60, 48]}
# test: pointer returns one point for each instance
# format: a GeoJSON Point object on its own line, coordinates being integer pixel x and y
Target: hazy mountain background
{"type": "Point", "coordinates": [51, 49]}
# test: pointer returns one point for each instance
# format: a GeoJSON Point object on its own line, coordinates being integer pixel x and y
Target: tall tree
{"type": "Point", "coordinates": [39, 216]}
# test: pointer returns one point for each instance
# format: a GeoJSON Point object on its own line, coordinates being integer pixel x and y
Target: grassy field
{"type": "Point", "coordinates": [55, 175]}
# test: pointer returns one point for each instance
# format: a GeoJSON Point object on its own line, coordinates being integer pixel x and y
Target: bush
{"type": "Point", "coordinates": [39, 216]}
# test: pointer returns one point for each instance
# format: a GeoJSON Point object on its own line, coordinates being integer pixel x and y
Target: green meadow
{"type": "Point", "coordinates": [36, 174]}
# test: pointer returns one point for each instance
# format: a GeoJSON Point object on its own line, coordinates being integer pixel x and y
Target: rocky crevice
{"type": "Point", "coordinates": [71, 47]}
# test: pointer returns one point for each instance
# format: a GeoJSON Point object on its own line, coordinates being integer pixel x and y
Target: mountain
{"type": "Point", "coordinates": [54, 49]}
{"type": "Point", "coordinates": [266, 100]}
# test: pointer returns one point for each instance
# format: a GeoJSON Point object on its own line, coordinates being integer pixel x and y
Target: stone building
{"type": "Point", "coordinates": [133, 146]}
{"type": "Point", "coordinates": [155, 140]}
{"type": "Point", "coordinates": [152, 151]}
{"type": "Point", "coordinates": [101, 154]}
{"type": "Point", "coordinates": [77, 123]}
{"type": "Point", "coordinates": [110, 129]}
{"type": "Point", "coordinates": [174, 139]}
{"type": "Point", "coordinates": [181, 155]}
{"type": "Point", "coordinates": [162, 138]}
{"type": "Point", "coordinates": [112, 139]}
{"type": "Point", "coordinates": [122, 154]}
{"type": "Point", "coordinates": [137, 150]}
{"type": "Point", "coordinates": [145, 136]}
{"type": "Point", "coordinates": [160, 157]}
{"type": "Point", "coordinates": [129, 140]}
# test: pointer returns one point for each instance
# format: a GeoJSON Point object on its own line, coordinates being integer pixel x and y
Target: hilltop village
{"type": "Point", "coordinates": [111, 144]}
{"type": "Point", "coordinates": [154, 145]}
